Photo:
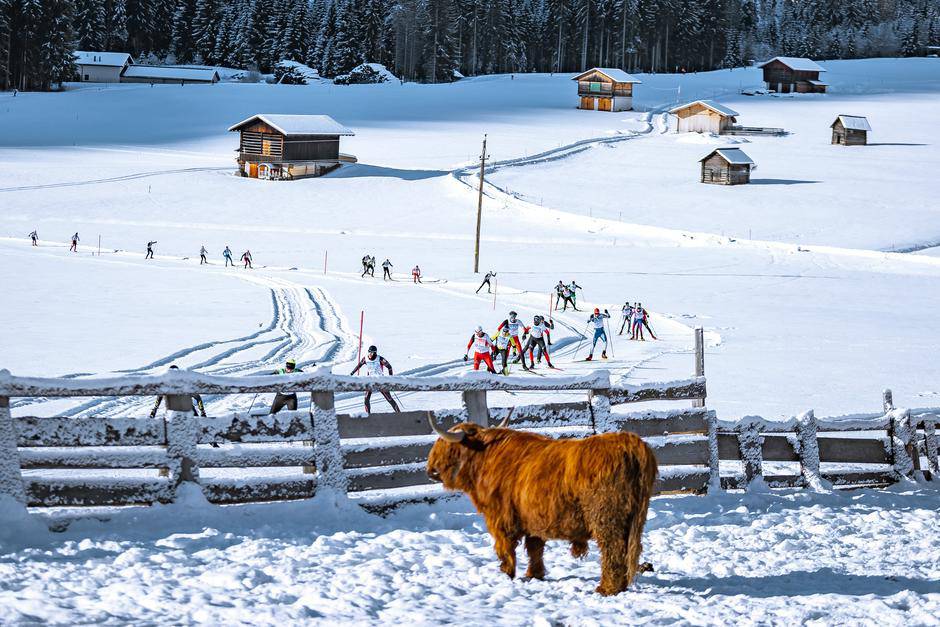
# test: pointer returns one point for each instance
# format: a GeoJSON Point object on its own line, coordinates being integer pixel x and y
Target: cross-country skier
{"type": "Point", "coordinates": [75, 241]}
{"type": "Point", "coordinates": [416, 274]}
{"type": "Point", "coordinates": [246, 259]}
{"type": "Point", "coordinates": [202, 255]}
{"type": "Point", "coordinates": [574, 287]}
{"type": "Point", "coordinates": [516, 327]}
{"type": "Point", "coordinates": [282, 400]}
{"type": "Point", "coordinates": [227, 253]}
{"type": "Point", "coordinates": [536, 334]}
{"type": "Point", "coordinates": [482, 349]}
{"type": "Point", "coordinates": [486, 281]}
{"type": "Point", "coordinates": [502, 341]}
{"type": "Point", "coordinates": [568, 298]}
{"type": "Point", "coordinates": [198, 408]}
{"type": "Point", "coordinates": [626, 315]}
{"type": "Point", "coordinates": [559, 294]}
{"type": "Point", "coordinates": [374, 365]}
{"type": "Point", "coordinates": [149, 254]}
{"type": "Point", "coordinates": [387, 270]}
{"type": "Point", "coordinates": [597, 319]}
{"type": "Point", "coordinates": [34, 236]}
{"type": "Point", "coordinates": [641, 320]}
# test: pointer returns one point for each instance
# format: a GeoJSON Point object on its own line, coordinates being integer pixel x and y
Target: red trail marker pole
{"type": "Point", "coordinates": [362, 317]}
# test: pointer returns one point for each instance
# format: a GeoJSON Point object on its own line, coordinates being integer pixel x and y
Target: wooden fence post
{"type": "Point", "coordinates": [599, 404]}
{"type": "Point", "coordinates": [714, 468]}
{"type": "Point", "coordinates": [11, 478]}
{"type": "Point", "coordinates": [806, 430]}
{"type": "Point", "coordinates": [749, 443]}
{"type": "Point", "coordinates": [182, 438]}
{"type": "Point", "coordinates": [699, 361]}
{"type": "Point", "coordinates": [474, 402]}
{"type": "Point", "coordinates": [327, 450]}
{"type": "Point", "coordinates": [930, 444]}
{"type": "Point", "coordinates": [901, 437]}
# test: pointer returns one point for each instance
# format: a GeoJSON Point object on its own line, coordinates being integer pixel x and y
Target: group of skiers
{"type": "Point", "coordinates": [368, 268]}
{"type": "Point", "coordinates": [567, 295]}
{"type": "Point", "coordinates": [635, 319]}
{"type": "Point", "coordinates": [508, 342]}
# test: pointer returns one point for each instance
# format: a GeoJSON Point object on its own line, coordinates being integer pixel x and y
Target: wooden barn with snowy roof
{"type": "Point", "coordinates": [726, 166]}
{"type": "Point", "coordinates": [850, 130]}
{"type": "Point", "coordinates": [605, 89]}
{"type": "Point", "coordinates": [704, 116]}
{"type": "Point", "coordinates": [286, 147]}
{"type": "Point", "coordinates": [793, 74]}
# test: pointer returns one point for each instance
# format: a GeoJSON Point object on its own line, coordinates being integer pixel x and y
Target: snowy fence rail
{"type": "Point", "coordinates": [342, 452]}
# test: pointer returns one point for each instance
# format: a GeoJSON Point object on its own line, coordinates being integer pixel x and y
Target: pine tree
{"type": "Point", "coordinates": [205, 30]}
{"type": "Point", "coordinates": [438, 54]}
{"type": "Point", "coordinates": [184, 45]}
{"type": "Point", "coordinates": [5, 32]}
{"type": "Point", "coordinates": [54, 30]}
{"type": "Point", "coordinates": [89, 24]}
{"type": "Point", "coordinates": [115, 25]}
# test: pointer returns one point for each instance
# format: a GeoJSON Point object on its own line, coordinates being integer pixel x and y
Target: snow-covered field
{"type": "Point", "coordinates": [864, 558]}
{"type": "Point", "coordinates": [803, 304]}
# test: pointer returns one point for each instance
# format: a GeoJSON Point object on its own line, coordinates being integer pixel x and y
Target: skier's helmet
{"type": "Point", "coordinates": [478, 330]}
{"type": "Point", "coordinates": [290, 364]}
{"type": "Point", "coordinates": [596, 310]}
{"type": "Point", "coordinates": [512, 315]}
{"type": "Point", "coordinates": [373, 349]}
{"type": "Point", "coordinates": [538, 319]}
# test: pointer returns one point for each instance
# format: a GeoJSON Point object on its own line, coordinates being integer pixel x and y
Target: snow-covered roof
{"type": "Point", "coordinates": [800, 64]}
{"type": "Point", "coordinates": [734, 156]}
{"type": "Point", "coordinates": [854, 122]}
{"type": "Point", "coordinates": [818, 83]}
{"type": "Point", "coordinates": [109, 59]}
{"type": "Point", "coordinates": [614, 74]}
{"type": "Point", "coordinates": [711, 104]}
{"type": "Point", "coordinates": [298, 124]}
{"type": "Point", "coordinates": [171, 73]}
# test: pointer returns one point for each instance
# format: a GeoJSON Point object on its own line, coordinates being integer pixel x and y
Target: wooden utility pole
{"type": "Point", "coordinates": [476, 252]}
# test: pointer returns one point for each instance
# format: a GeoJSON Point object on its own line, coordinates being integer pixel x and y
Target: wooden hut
{"type": "Point", "coordinates": [850, 130]}
{"type": "Point", "coordinates": [606, 89]}
{"type": "Point", "coordinates": [726, 166]}
{"type": "Point", "coordinates": [703, 116]}
{"type": "Point", "coordinates": [278, 146]}
{"type": "Point", "coordinates": [793, 74]}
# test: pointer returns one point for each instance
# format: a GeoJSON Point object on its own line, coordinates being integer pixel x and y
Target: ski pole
{"type": "Point", "coordinates": [583, 335]}
{"type": "Point", "coordinates": [401, 406]}
{"type": "Point", "coordinates": [610, 337]}
{"type": "Point", "coordinates": [253, 402]}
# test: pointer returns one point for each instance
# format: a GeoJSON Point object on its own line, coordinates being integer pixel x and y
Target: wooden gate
{"type": "Point", "coordinates": [605, 104]}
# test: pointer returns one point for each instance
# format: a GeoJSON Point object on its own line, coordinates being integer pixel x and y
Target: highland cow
{"type": "Point", "coordinates": [529, 486]}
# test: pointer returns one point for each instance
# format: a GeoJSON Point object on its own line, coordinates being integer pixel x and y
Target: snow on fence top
{"type": "Point", "coordinates": [321, 379]}
{"type": "Point", "coordinates": [799, 64]}
{"type": "Point", "coordinates": [298, 124]}
{"type": "Point", "coordinates": [107, 59]}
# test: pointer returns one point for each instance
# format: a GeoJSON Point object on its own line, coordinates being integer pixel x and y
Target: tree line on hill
{"type": "Point", "coordinates": [434, 40]}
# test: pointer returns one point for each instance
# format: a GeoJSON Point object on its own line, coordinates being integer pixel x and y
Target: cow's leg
{"type": "Point", "coordinates": [506, 552]}
{"type": "Point", "coordinates": [614, 562]}
{"type": "Point", "coordinates": [535, 547]}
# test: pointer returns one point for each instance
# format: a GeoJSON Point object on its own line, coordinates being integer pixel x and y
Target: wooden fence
{"type": "Point", "coordinates": [346, 453]}
{"type": "Point", "coordinates": [319, 448]}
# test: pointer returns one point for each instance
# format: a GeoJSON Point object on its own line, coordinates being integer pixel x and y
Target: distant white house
{"type": "Point", "coordinates": [163, 74]}
{"type": "Point", "coordinates": [119, 67]}
{"type": "Point", "coordinates": [101, 67]}
{"type": "Point", "coordinates": [703, 116]}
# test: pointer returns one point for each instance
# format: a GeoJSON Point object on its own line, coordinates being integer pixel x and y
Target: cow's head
{"type": "Point", "coordinates": [451, 459]}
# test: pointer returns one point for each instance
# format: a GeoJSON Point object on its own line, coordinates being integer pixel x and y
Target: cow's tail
{"type": "Point", "coordinates": [648, 471]}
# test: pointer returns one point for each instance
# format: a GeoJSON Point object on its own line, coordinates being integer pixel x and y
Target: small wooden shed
{"type": "Point", "coordinates": [793, 74]}
{"type": "Point", "coordinates": [280, 146]}
{"type": "Point", "coordinates": [703, 116]}
{"type": "Point", "coordinates": [726, 166]}
{"type": "Point", "coordinates": [850, 130]}
{"type": "Point", "coordinates": [605, 89]}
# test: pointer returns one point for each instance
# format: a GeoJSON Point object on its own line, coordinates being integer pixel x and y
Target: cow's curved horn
{"type": "Point", "coordinates": [504, 423]}
{"type": "Point", "coordinates": [444, 434]}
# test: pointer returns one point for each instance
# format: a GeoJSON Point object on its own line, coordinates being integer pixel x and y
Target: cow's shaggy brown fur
{"type": "Point", "coordinates": [528, 486]}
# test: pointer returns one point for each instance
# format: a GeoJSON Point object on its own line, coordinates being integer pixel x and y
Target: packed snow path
{"type": "Point", "coordinates": [791, 557]}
